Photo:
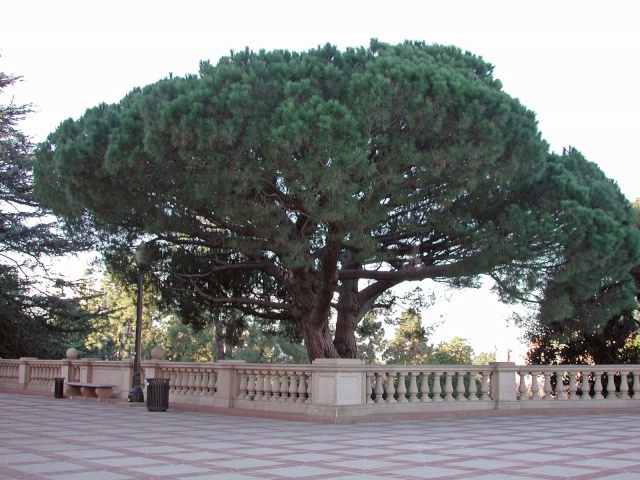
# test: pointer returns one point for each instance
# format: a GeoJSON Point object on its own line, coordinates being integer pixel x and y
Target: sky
{"type": "Point", "coordinates": [575, 63]}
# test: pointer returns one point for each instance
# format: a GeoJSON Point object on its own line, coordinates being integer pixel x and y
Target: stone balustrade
{"type": "Point", "coordinates": [578, 382]}
{"type": "Point", "coordinates": [347, 390]}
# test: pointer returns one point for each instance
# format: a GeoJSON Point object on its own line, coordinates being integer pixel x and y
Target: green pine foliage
{"type": "Point", "coordinates": [572, 340]}
{"type": "Point", "coordinates": [309, 184]}
{"type": "Point", "coordinates": [40, 315]}
{"type": "Point", "coordinates": [410, 345]}
{"type": "Point", "coordinates": [370, 338]}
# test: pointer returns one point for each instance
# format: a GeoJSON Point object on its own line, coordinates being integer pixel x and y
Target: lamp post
{"type": "Point", "coordinates": [136, 395]}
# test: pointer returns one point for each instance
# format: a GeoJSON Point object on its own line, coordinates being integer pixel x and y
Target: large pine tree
{"type": "Point", "coordinates": [331, 177]}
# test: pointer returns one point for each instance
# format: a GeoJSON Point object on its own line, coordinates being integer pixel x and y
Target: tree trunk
{"type": "Point", "coordinates": [347, 319]}
{"type": "Point", "coordinates": [318, 341]}
{"type": "Point", "coordinates": [311, 292]}
{"type": "Point", "coordinates": [345, 340]}
{"type": "Point", "coordinates": [219, 338]}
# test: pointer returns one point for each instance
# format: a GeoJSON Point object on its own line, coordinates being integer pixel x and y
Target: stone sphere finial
{"type": "Point", "coordinates": [157, 353]}
{"type": "Point", "coordinates": [72, 353]}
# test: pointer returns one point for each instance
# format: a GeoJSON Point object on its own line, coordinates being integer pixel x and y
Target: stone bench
{"type": "Point", "coordinates": [90, 390]}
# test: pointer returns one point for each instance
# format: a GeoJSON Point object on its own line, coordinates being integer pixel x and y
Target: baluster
{"type": "Point", "coordinates": [448, 387]}
{"type": "Point", "coordinates": [391, 389]}
{"type": "Point", "coordinates": [547, 385]}
{"type": "Point", "coordinates": [284, 387]}
{"type": "Point", "coordinates": [167, 374]}
{"type": "Point", "coordinates": [293, 387]}
{"type": "Point", "coordinates": [625, 386]}
{"type": "Point", "coordinates": [243, 384]}
{"type": "Point", "coordinates": [473, 388]}
{"type": "Point", "coordinates": [191, 382]}
{"type": "Point", "coordinates": [584, 386]}
{"type": "Point", "coordinates": [424, 387]}
{"type": "Point", "coordinates": [302, 388]}
{"type": "Point", "coordinates": [378, 390]}
{"type": "Point", "coordinates": [177, 383]}
{"type": "Point", "coordinates": [251, 384]}
{"type": "Point", "coordinates": [535, 387]}
{"type": "Point", "coordinates": [197, 383]}
{"type": "Point", "coordinates": [484, 387]}
{"type": "Point", "coordinates": [310, 388]}
{"type": "Point", "coordinates": [213, 382]}
{"type": "Point", "coordinates": [267, 385]}
{"type": "Point", "coordinates": [402, 387]}
{"type": "Point", "coordinates": [259, 386]}
{"type": "Point", "coordinates": [522, 388]}
{"type": "Point", "coordinates": [560, 388]}
{"type": "Point", "coordinates": [182, 381]}
{"type": "Point", "coordinates": [611, 386]}
{"type": "Point", "coordinates": [370, 381]}
{"type": "Point", "coordinates": [437, 387]}
{"type": "Point", "coordinates": [275, 386]}
{"type": "Point", "coordinates": [213, 376]}
{"type": "Point", "coordinates": [206, 380]}
{"type": "Point", "coordinates": [413, 387]}
{"type": "Point", "coordinates": [597, 386]}
{"type": "Point", "coordinates": [573, 386]}
{"type": "Point", "coordinates": [460, 390]}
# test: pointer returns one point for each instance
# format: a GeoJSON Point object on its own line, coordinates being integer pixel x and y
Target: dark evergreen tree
{"type": "Point", "coordinates": [571, 340]}
{"type": "Point", "coordinates": [335, 176]}
{"type": "Point", "coordinates": [37, 315]}
{"type": "Point", "coordinates": [410, 344]}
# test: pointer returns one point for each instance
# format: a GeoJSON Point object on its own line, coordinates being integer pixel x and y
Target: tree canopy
{"type": "Point", "coordinates": [568, 340]}
{"type": "Point", "coordinates": [329, 177]}
{"type": "Point", "coordinates": [36, 317]}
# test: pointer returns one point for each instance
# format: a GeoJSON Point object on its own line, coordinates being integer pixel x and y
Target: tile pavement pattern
{"type": "Point", "coordinates": [61, 439]}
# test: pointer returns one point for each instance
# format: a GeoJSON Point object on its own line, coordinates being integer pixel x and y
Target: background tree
{"type": "Point", "coordinates": [458, 351]}
{"type": "Point", "coordinates": [410, 343]}
{"type": "Point", "coordinates": [183, 343]}
{"type": "Point", "coordinates": [370, 334]}
{"type": "Point", "coordinates": [40, 315]}
{"type": "Point", "coordinates": [335, 176]}
{"type": "Point", "coordinates": [484, 358]}
{"type": "Point", "coordinates": [570, 341]}
{"type": "Point", "coordinates": [260, 346]}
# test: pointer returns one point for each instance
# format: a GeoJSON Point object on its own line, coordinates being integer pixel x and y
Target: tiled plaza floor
{"type": "Point", "coordinates": [61, 439]}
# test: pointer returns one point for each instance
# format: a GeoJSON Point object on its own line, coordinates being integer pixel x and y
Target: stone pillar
{"type": "Point", "coordinates": [66, 364]}
{"type": "Point", "coordinates": [24, 372]}
{"type": "Point", "coordinates": [228, 383]}
{"type": "Point", "coordinates": [503, 385]}
{"type": "Point", "coordinates": [338, 381]}
{"type": "Point", "coordinates": [152, 368]}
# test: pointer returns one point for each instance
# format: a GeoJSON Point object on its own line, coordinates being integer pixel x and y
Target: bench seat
{"type": "Point", "coordinates": [84, 389]}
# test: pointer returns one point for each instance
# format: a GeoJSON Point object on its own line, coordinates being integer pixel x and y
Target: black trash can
{"type": "Point", "coordinates": [58, 387]}
{"type": "Point", "coordinates": [157, 394]}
